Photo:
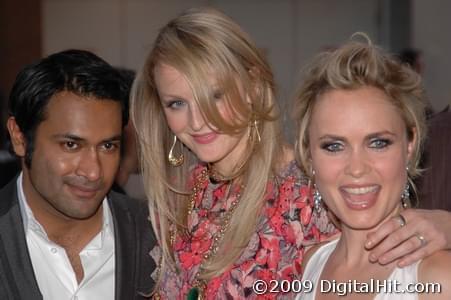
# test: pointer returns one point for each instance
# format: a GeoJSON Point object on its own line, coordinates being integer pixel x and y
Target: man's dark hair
{"type": "Point", "coordinates": [77, 71]}
{"type": "Point", "coordinates": [409, 56]}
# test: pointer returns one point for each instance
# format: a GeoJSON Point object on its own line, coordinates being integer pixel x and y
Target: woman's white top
{"type": "Point", "coordinates": [399, 285]}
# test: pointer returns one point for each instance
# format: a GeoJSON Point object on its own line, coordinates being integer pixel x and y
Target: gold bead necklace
{"type": "Point", "coordinates": [197, 292]}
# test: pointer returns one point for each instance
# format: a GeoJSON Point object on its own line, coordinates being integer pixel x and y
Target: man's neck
{"type": "Point", "coordinates": [72, 235]}
{"type": "Point", "coordinates": [68, 232]}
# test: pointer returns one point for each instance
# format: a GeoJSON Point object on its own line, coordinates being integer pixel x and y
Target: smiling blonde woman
{"type": "Point", "coordinates": [228, 202]}
{"type": "Point", "coordinates": [362, 126]}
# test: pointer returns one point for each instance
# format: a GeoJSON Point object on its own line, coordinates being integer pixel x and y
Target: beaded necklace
{"type": "Point", "coordinates": [199, 285]}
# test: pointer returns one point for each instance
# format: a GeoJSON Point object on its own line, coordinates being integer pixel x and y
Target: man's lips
{"type": "Point", "coordinates": [206, 138]}
{"type": "Point", "coordinates": [82, 191]}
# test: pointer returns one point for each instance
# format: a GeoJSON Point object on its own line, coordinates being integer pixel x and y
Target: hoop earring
{"type": "Point", "coordinates": [175, 161]}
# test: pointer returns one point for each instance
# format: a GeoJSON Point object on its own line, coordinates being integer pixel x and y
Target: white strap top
{"type": "Point", "coordinates": [401, 279]}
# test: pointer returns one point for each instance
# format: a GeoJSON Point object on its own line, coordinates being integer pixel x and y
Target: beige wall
{"type": "Point", "coordinates": [20, 44]}
{"type": "Point", "coordinates": [289, 31]}
{"type": "Point", "coordinates": [432, 35]}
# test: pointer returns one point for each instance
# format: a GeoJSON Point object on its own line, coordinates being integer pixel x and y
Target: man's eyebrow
{"type": "Point", "coordinates": [77, 138]}
{"type": "Point", "coordinates": [68, 137]}
{"type": "Point", "coordinates": [115, 138]}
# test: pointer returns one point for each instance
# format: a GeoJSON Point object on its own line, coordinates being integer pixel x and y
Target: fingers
{"type": "Point", "coordinates": [405, 249]}
{"type": "Point", "coordinates": [383, 231]}
{"type": "Point", "coordinates": [391, 241]}
{"type": "Point", "coordinates": [421, 252]}
{"type": "Point", "coordinates": [402, 221]}
{"type": "Point", "coordinates": [421, 239]}
{"type": "Point", "coordinates": [413, 236]}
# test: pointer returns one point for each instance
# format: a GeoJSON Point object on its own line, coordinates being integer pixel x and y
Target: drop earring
{"type": "Point", "coordinates": [405, 196]}
{"type": "Point", "coordinates": [317, 198]}
{"type": "Point", "coordinates": [253, 125]}
{"type": "Point", "coordinates": [175, 161]}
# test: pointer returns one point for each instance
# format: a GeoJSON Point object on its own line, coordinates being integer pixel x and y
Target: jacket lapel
{"type": "Point", "coordinates": [125, 249]}
{"type": "Point", "coordinates": [15, 260]}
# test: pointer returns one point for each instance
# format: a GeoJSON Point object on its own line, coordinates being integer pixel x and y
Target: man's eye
{"type": "Point", "coordinates": [69, 145]}
{"type": "Point", "coordinates": [110, 146]}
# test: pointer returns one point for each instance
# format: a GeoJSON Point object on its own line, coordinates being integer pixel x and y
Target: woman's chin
{"type": "Point", "coordinates": [363, 222]}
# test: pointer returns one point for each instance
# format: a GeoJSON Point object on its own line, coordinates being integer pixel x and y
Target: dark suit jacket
{"type": "Point", "coordinates": [133, 240]}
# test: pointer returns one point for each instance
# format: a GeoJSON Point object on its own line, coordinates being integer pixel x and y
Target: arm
{"type": "Point", "coordinates": [392, 241]}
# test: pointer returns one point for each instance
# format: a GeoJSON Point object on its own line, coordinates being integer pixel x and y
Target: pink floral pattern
{"type": "Point", "coordinates": [275, 251]}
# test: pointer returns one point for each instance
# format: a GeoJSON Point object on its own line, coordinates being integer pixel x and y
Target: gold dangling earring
{"type": "Point", "coordinates": [257, 130]}
{"type": "Point", "coordinates": [254, 124]}
{"type": "Point", "coordinates": [175, 161]}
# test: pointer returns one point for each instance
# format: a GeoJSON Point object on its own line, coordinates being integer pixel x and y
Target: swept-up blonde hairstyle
{"type": "Point", "coordinates": [203, 44]}
{"type": "Point", "coordinates": [352, 66]}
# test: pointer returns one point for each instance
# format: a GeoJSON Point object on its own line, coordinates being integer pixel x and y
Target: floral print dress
{"type": "Point", "coordinates": [275, 251]}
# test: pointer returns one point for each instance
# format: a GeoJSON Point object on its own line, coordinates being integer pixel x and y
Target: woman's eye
{"type": "Point", "coordinates": [332, 147]}
{"type": "Point", "coordinates": [175, 104]}
{"type": "Point", "coordinates": [218, 95]}
{"type": "Point", "coordinates": [380, 143]}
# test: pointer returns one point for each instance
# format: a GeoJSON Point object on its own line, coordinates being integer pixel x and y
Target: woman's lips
{"type": "Point", "coordinates": [205, 138]}
{"type": "Point", "coordinates": [360, 197]}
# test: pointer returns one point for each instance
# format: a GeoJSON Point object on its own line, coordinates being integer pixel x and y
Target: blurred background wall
{"type": "Point", "coordinates": [290, 32]}
{"type": "Point", "coordinates": [20, 44]}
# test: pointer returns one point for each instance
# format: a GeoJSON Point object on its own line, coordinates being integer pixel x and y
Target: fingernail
{"type": "Point", "coordinates": [373, 258]}
{"type": "Point", "coordinates": [369, 244]}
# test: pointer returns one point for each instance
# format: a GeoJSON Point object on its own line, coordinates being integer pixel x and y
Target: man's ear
{"type": "Point", "coordinates": [17, 137]}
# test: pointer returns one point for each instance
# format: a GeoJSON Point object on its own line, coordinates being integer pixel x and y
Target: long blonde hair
{"type": "Point", "coordinates": [201, 43]}
{"type": "Point", "coordinates": [354, 65]}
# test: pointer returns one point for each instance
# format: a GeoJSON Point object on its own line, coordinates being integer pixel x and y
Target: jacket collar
{"type": "Point", "coordinates": [14, 257]}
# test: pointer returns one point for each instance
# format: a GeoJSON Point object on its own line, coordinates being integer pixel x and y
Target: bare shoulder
{"type": "Point", "coordinates": [437, 265]}
{"type": "Point", "coordinates": [436, 269]}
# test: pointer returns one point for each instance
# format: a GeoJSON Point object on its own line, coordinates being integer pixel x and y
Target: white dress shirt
{"type": "Point", "coordinates": [54, 274]}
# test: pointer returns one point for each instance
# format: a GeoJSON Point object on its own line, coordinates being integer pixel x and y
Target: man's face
{"type": "Point", "coordinates": [76, 156]}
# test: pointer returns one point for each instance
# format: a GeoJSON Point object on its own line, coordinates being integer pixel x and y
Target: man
{"type": "Point", "coordinates": [63, 233]}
